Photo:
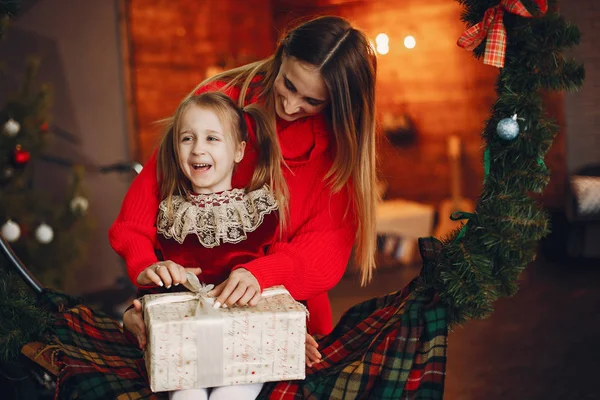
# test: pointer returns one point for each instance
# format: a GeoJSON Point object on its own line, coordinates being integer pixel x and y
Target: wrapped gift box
{"type": "Point", "coordinates": [193, 345]}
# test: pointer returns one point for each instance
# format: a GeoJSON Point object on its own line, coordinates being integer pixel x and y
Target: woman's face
{"type": "Point", "coordinates": [300, 90]}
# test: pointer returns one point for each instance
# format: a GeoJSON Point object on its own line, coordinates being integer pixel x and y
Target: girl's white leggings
{"type": "Point", "coordinates": [237, 392]}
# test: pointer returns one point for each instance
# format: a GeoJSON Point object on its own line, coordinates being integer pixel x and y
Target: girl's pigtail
{"type": "Point", "coordinates": [270, 160]}
{"type": "Point", "coordinates": [166, 168]}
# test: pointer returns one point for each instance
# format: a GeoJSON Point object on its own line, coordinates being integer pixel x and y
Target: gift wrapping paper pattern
{"type": "Point", "coordinates": [226, 346]}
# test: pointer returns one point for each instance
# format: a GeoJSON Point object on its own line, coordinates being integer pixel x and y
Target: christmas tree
{"type": "Point", "coordinates": [48, 235]}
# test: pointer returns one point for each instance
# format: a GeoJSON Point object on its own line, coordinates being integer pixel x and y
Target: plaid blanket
{"type": "Point", "coordinates": [95, 359]}
{"type": "Point", "coordinates": [391, 347]}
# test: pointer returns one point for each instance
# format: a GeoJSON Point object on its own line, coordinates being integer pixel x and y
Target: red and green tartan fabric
{"type": "Point", "coordinates": [492, 27]}
{"type": "Point", "coordinates": [389, 347]}
{"type": "Point", "coordinates": [95, 358]}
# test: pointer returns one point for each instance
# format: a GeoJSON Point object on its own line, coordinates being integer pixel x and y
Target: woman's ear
{"type": "Point", "coordinates": [239, 152]}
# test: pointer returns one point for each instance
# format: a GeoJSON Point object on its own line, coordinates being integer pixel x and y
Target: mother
{"type": "Point", "coordinates": [320, 88]}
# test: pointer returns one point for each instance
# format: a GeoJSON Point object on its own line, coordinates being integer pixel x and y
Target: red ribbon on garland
{"type": "Point", "coordinates": [492, 27]}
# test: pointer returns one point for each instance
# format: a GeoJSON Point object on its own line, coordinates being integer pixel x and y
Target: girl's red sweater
{"type": "Point", "coordinates": [313, 252]}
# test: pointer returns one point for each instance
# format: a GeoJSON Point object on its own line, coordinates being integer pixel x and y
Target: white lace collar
{"type": "Point", "coordinates": [216, 218]}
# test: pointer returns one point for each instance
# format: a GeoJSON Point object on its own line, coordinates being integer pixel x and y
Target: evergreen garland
{"type": "Point", "coordinates": [482, 261]}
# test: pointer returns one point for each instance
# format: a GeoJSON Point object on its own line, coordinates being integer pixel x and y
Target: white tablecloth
{"type": "Point", "coordinates": [407, 219]}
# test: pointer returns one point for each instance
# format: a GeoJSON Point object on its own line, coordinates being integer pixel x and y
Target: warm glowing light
{"type": "Point", "coordinates": [382, 39]}
{"type": "Point", "coordinates": [410, 42]}
{"type": "Point", "coordinates": [383, 49]}
{"type": "Point", "coordinates": [383, 43]}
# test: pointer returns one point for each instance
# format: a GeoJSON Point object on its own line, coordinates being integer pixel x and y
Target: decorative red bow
{"type": "Point", "coordinates": [492, 27]}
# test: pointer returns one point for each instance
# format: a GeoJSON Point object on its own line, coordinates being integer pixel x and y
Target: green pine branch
{"type": "Point", "coordinates": [9, 8]}
{"type": "Point", "coordinates": [22, 320]}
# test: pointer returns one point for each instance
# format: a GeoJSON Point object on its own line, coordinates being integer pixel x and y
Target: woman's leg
{"type": "Point", "coordinates": [241, 392]}
{"type": "Point", "coordinates": [189, 394]}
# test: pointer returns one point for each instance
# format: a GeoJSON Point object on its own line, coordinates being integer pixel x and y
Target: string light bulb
{"type": "Point", "coordinates": [410, 42]}
{"type": "Point", "coordinates": [383, 43]}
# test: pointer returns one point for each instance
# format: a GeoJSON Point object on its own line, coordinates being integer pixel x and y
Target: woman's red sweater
{"type": "Point", "coordinates": [313, 252]}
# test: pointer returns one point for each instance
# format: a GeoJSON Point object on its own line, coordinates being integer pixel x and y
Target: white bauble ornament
{"type": "Point", "coordinates": [11, 127]}
{"type": "Point", "coordinates": [44, 233]}
{"type": "Point", "coordinates": [79, 204]}
{"type": "Point", "coordinates": [11, 231]}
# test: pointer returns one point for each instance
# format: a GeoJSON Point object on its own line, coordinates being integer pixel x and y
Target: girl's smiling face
{"type": "Point", "coordinates": [207, 153]}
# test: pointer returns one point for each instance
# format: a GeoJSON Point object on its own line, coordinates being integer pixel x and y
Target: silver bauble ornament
{"type": "Point", "coordinates": [79, 204]}
{"type": "Point", "coordinates": [508, 128]}
{"type": "Point", "coordinates": [44, 233]}
{"type": "Point", "coordinates": [11, 127]}
{"type": "Point", "coordinates": [11, 231]}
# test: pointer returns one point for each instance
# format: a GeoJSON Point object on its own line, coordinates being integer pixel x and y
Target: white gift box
{"type": "Point", "coordinates": [193, 345]}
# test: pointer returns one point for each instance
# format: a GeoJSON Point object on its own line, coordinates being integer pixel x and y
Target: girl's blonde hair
{"type": "Point", "coordinates": [171, 179]}
{"type": "Point", "coordinates": [348, 66]}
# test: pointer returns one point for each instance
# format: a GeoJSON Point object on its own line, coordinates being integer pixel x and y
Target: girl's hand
{"type": "Point", "coordinates": [165, 273]}
{"type": "Point", "coordinates": [312, 354]}
{"type": "Point", "coordinates": [240, 288]}
{"type": "Point", "coordinates": [133, 321]}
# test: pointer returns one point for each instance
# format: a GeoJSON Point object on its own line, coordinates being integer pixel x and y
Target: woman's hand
{"type": "Point", "coordinates": [312, 354]}
{"type": "Point", "coordinates": [133, 321]}
{"type": "Point", "coordinates": [165, 273]}
{"type": "Point", "coordinates": [240, 288]}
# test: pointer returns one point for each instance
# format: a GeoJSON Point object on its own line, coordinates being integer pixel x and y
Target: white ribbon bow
{"type": "Point", "coordinates": [199, 291]}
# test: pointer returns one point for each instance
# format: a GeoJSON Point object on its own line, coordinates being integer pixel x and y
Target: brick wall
{"type": "Point", "coordinates": [175, 44]}
{"type": "Point", "coordinates": [441, 87]}
{"type": "Point", "coordinates": [582, 113]}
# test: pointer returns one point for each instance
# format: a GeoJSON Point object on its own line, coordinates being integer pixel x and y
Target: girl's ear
{"type": "Point", "coordinates": [239, 152]}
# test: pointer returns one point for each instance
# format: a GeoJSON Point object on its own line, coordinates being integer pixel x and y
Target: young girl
{"type": "Point", "coordinates": [203, 223]}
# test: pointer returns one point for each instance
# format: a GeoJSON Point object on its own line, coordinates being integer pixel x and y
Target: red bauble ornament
{"type": "Point", "coordinates": [21, 157]}
{"type": "Point", "coordinates": [44, 127]}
